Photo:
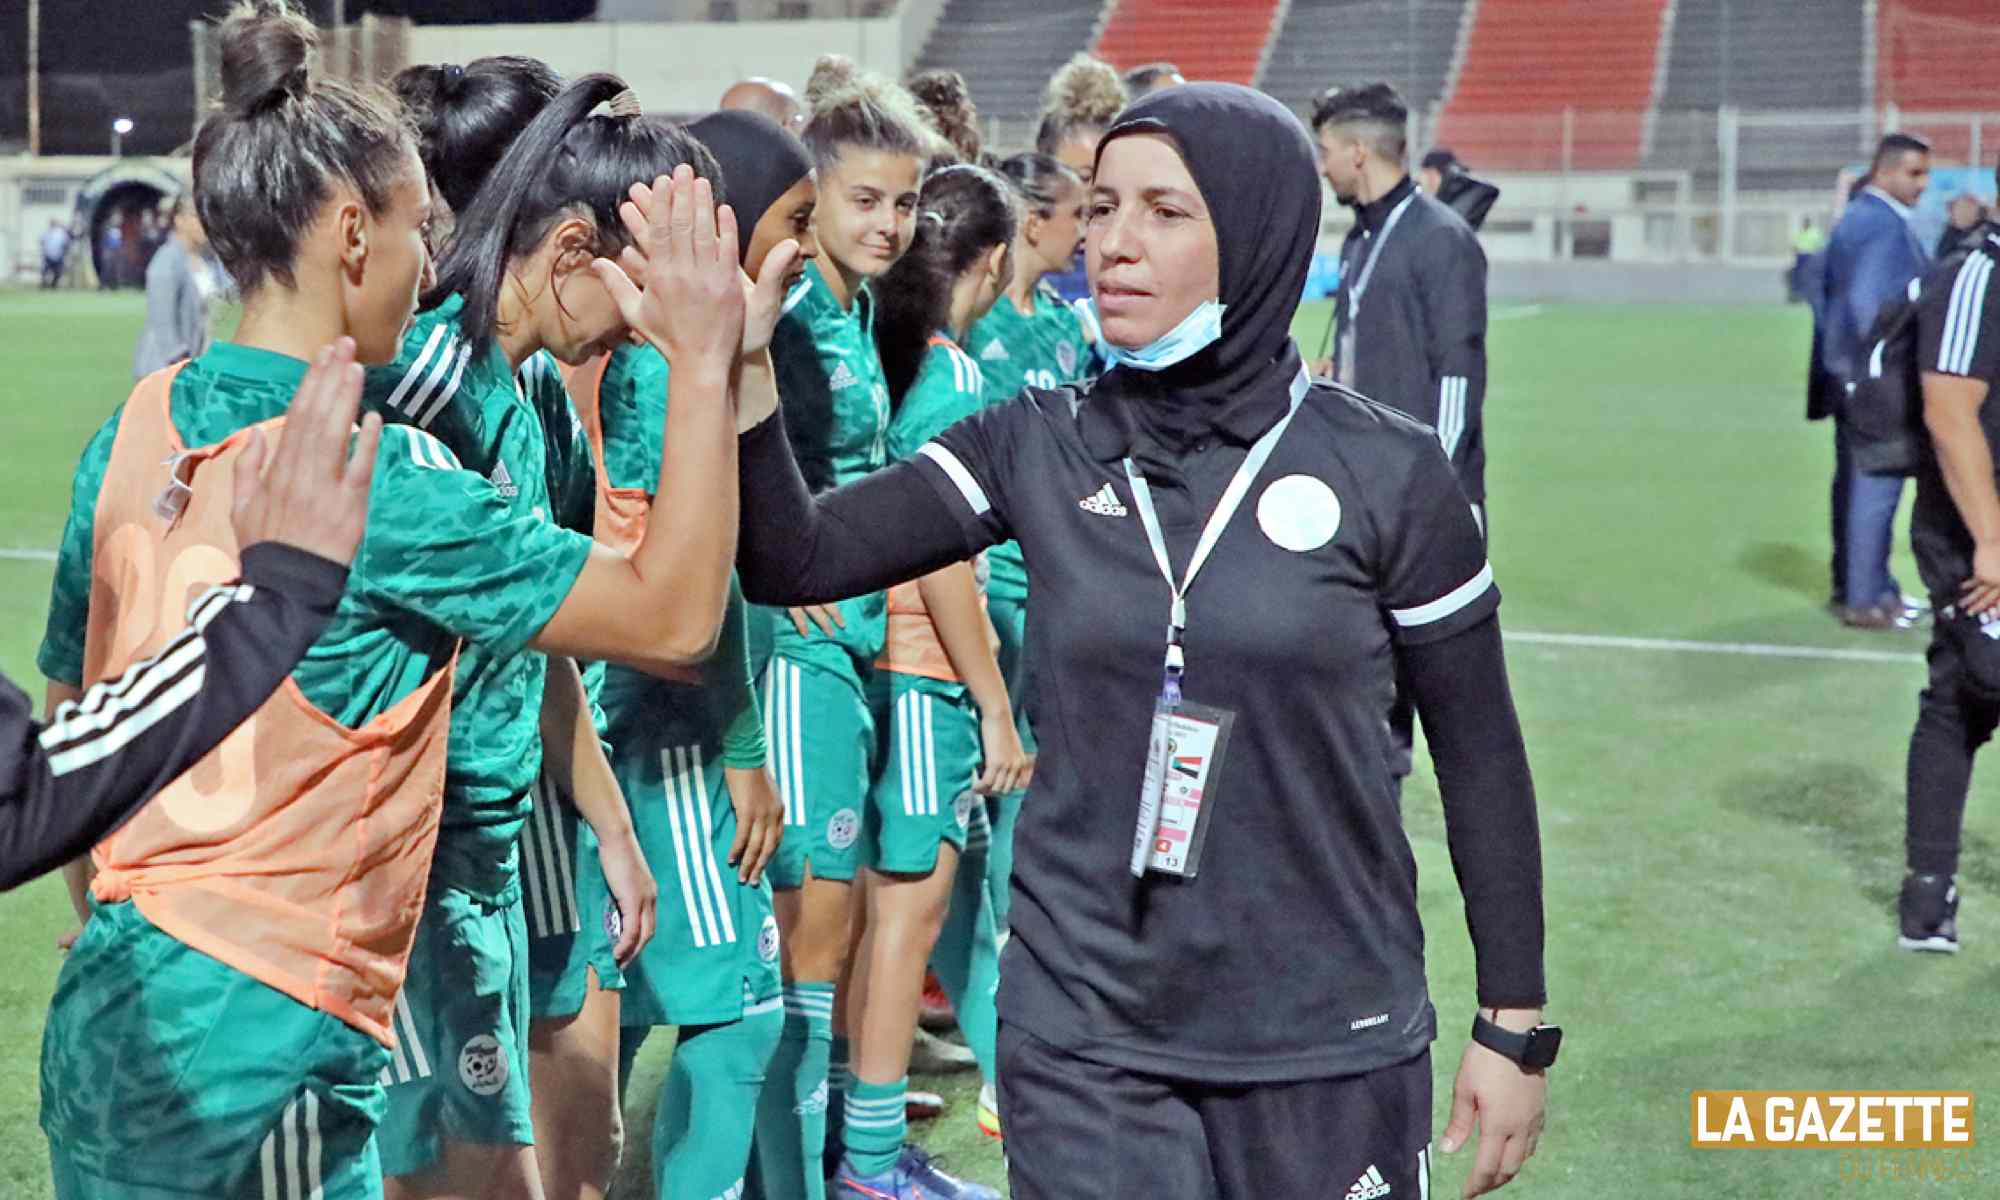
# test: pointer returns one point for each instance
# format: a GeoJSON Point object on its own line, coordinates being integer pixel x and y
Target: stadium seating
{"type": "Point", "coordinates": [1515, 81]}
{"type": "Point", "coordinates": [1762, 58]}
{"type": "Point", "coordinates": [1204, 39]}
{"type": "Point", "coordinates": [1937, 56]}
{"type": "Point", "coordinates": [1405, 42]}
{"type": "Point", "coordinates": [1007, 49]}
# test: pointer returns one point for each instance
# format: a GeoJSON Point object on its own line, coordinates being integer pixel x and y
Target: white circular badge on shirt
{"type": "Point", "coordinates": [1299, 513]}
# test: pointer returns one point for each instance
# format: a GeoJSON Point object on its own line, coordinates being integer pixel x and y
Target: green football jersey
{"type": "Point", "coordinates": [473, 404]}
{"type": "Point", "coordinates": [415, 586]}
{"type": "Point", "coordinates": [1045, 348]}
{"type": "Point", "coordinates": [836, 404]}
{"type": "Point", "coordinates": [948, 388]}
{"type": "Point", "coordinates": [648, 713]}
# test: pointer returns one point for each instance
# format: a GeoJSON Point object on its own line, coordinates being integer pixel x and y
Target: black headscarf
{"type": "Point", "coordinates": [1253, 162]}
{"type": "Point", "coordinates": [760, 162]}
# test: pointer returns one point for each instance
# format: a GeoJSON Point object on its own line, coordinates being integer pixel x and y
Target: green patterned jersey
{"type": "Point", "coordinates": [572, 476]}
{"type": "Point", "coordinates": [836, 404]}
{"type": "Point", "coordinates": [473, 404]}
{"type": "Point", "coordinates": [1045, 348]}
{"type": "Point", "coordinates": [416, 586]}
{"type": "Point", "coordinates": [948, 388]}
{"type": "Point", "coordinates": [647, 713]}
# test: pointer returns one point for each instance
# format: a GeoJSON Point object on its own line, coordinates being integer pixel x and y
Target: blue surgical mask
{"type": "Point", "coordinates": [1197, 331]}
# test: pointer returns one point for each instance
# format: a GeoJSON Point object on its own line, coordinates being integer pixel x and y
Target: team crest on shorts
{"type": "Point", "coordinates": [614, 921]}
{"type": "Point", "coordinates": [1066, 358]}
{"type": "Point", "coordinates": [482, 1068]}
{"type": "Point", "coordinates": [963, 808]}
{"type": "Point", "coordinates": [842, 828]}
{"type": "Point", "coordinates": [767, 939]}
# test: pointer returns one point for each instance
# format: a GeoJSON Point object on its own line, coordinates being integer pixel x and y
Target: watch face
{"type": "Point", "coordinates": [1543, 1042]}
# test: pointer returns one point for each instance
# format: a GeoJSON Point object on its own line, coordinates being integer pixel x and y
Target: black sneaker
{"type": "Point", "coordinates": [1929, 911]}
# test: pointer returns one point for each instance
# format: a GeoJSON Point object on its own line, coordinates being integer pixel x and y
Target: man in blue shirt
{"type": "Point", "coordinates": [1871, 258]}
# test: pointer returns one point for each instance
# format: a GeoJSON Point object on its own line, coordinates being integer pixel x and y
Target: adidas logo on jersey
{"type": "Point", "coordinates": [843, 378]}
{"type": "Point", "coordinates": [1370, 1186]}
{"type": "Point", "coordinates": [1105, 503]}
{"type": "Point", "coordinates": [503, 481]}
{"type": "Point", "coordinates": [994, 352]}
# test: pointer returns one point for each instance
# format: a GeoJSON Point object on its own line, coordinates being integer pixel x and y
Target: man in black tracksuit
{"type": "Point", "coordinates": [1410, 319]}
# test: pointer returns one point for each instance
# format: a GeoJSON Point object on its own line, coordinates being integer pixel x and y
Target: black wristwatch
{"type": "Point", "coordinates": [1535, 1050]}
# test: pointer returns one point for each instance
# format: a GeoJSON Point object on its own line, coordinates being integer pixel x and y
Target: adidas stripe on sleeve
{"type": "Point", "coordinates": [66, 785]}
{"type": "Point", "coordinates": [1958, 318]}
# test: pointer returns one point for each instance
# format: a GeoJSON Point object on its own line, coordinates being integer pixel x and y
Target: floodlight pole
{"type": "Point", "coordinates": [34, 76]}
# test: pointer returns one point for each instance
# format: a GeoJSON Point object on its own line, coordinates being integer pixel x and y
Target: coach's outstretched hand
{"type": "Point", "coordinates": [1507, 1104]}
{"type": "Point", "coordinates": [311, 492]}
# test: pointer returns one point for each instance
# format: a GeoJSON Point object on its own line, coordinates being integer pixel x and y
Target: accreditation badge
{"type": "Point", "coordinates": [1183, 764]}
{"type": "Point", "coordinates": [1344, 369]}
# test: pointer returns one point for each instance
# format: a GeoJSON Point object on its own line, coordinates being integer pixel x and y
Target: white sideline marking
{"type": "Point", "coordinates": [28, 555]}
{"type": "Point", "coordinates": [1598, 641]}
{"type": "Point", "coordinates": [1515, 314]}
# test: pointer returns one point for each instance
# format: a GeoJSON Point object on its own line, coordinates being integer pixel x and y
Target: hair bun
{"type": "Point", "coordinates": [267, 56]}
{"type": "Point", "coordinates": [832, 76]}
{"type": "Point", "coordinates": [1086, 90]}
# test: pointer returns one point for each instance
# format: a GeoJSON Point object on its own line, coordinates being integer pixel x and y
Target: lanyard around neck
{"type": "Point", "coordinates": [1211, 533]}
{"type": "Point", "coordinates": [1374, 255]}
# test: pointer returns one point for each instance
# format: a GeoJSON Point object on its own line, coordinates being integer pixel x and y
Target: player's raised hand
{"type": "Point", "coordinates": [311, 492]}
{"type": "Point", "coordinates": [687, 297]}
{"type": "Point", "coordinates": [764, 297]}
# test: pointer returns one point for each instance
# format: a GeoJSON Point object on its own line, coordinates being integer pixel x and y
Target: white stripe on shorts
{"type": "Point", "coordinates": [707, 845]}
{"type": "Point", "coordinates": [672, 782]}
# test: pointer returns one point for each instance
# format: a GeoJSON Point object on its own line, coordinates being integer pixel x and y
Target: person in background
{"type": "Point", "coordinates": [178, 288]}
{"type": "Point", "coordinates": [949, 102]}
{"type": "Point", "coordinates": [1442, 175]}
{"type": "Point", "coordinates": [1143, 81]}
{"type": "Point", "coordinates": [1418, 344]}
{"type": "Point", "coordinates": [1964, 225]}
{"type": "Point", "coordinates": [1802, 280]}
{"type": "Point", "coordinates": [1871, 257]}
{"type": "Point", "coordinates": [773, 98]}
{"type": "Point", "coordinates": [55, 248]}
{"type": "Point", "coordinates": [1082, 100]}
{"type": "Point", "coordinates": [111, 253]}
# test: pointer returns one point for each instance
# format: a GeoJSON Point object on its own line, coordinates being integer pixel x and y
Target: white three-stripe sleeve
{"type": "Point", "coordinates": [1959, 344]}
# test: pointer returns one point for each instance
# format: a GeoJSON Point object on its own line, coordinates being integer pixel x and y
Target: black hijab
{"type": "Point", "coordinates": [760, 162]}
{"type": "Point", "coordinates": [1253, 162]}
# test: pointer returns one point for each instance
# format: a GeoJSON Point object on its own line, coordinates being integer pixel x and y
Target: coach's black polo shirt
{"type": "Point", "coordinates": [1296, 952]}
{"type": "Point", "coordinates": [1958, 333]}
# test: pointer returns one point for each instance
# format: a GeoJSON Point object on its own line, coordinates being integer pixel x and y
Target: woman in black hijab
{"type": "Point", "coordinates": [1215, 983]}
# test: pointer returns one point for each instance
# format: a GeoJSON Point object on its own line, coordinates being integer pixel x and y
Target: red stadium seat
{"type": "Point", "coordinates": [1205, 39]}
{"type": "Point", "coordinates": [1526, 61]}
{"type": "Point", "coordinates": [1934, 57]}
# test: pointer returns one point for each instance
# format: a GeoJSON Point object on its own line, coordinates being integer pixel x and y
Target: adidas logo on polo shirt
{"type": "Point", "coordinates": [842, 378]}
{"type": "Point", "coordinates": [503, 481]}
{"type": "Point", "coordinates": [994, 352]}
{"type": "Point", "coordinates": [1370, 1186]}
{"type": "Point", "coordinates": [1105, 503]}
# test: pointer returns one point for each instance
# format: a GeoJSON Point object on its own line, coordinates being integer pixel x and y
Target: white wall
{"type": "Point", "coordinates": [675, 67]}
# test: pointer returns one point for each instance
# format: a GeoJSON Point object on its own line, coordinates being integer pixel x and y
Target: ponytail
{"type": "Point", "coordinates": [570, 160]}
{"type": "Point", "coordinates": [963, 212]}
